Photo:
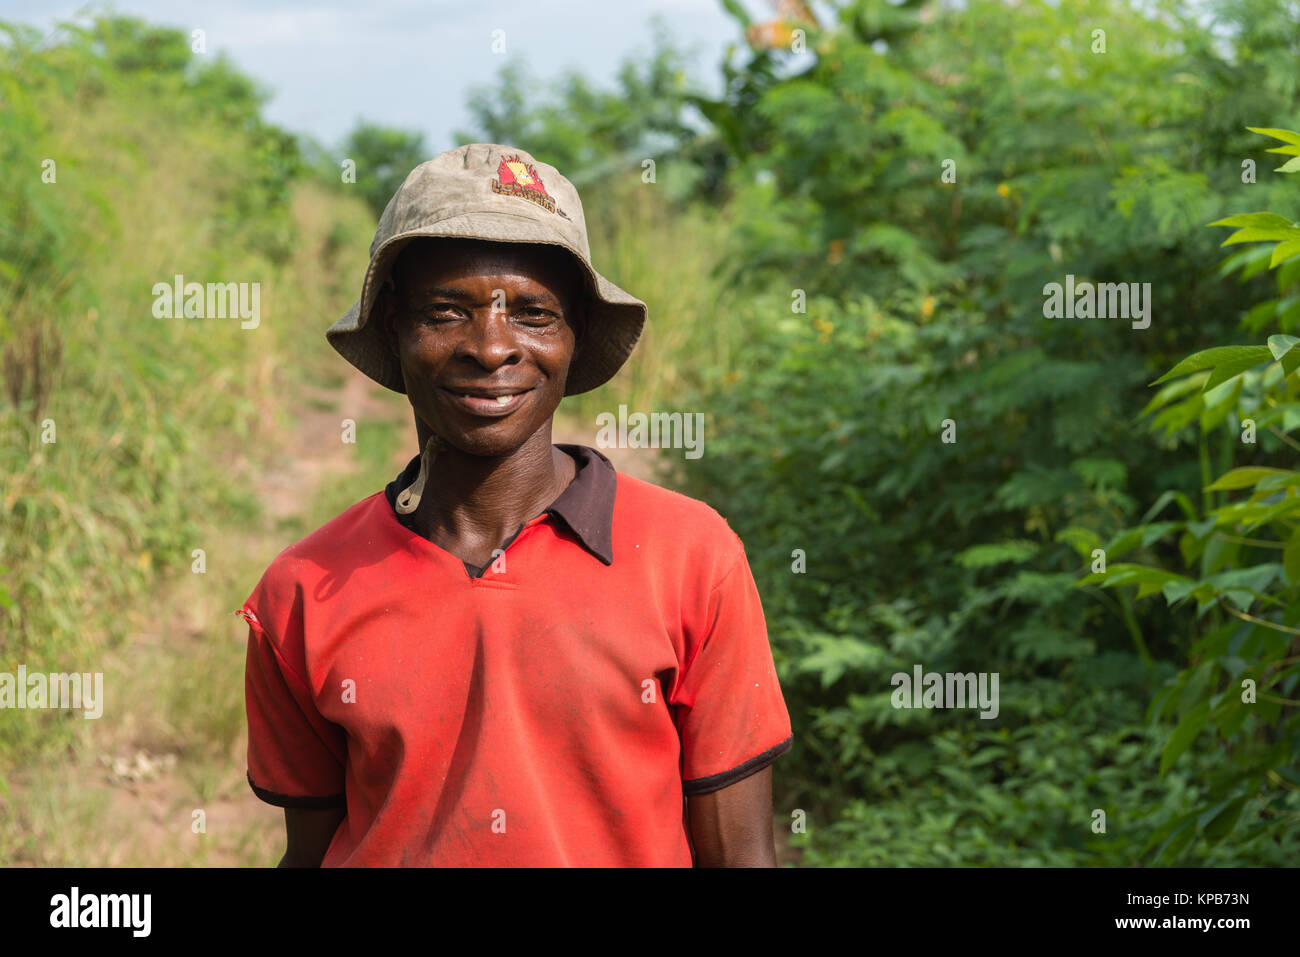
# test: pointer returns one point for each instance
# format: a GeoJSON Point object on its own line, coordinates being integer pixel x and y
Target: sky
{"type": "Point", "coordinates": [411, 63]}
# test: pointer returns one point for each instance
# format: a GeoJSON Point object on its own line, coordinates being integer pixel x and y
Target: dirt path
{"type": "Point", "coordinates": [239, 826]}
{"type": "Point", "coordinates": [128, 795]}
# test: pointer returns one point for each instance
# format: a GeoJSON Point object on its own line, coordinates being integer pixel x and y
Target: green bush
{"type": "Point", "coordinates": [945, 455]}
{"type": "Point", "coordinates": [1233, 695]}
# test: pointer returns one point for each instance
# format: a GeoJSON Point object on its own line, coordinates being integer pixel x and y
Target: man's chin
{"type": "Point", "coordinates": [489, 440]}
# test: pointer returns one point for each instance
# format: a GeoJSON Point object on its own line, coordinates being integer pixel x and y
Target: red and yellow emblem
{"type": "Point", "coordinates": [517, 178]}
{"type": "Point", "coordinates": [514, 170]}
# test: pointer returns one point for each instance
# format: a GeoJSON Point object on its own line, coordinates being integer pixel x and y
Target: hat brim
{"type": "Point", "coordinates": [615, 318]}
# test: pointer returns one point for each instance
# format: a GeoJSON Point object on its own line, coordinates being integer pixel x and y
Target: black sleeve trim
{"type": "Point", "coordinates": [716, 782]}
{"type": "Point", "coordinates": [300, 803]}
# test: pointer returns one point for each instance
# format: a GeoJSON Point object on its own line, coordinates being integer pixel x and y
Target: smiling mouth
{"type": "Point", "coordinates": [487, 402]}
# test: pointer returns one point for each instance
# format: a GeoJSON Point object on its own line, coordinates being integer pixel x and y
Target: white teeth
{"type": "Point", "coordinates": [503, 399]}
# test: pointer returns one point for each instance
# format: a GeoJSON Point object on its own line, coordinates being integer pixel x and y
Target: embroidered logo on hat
{"type": "Point", "coordinates": [515, 170]}
{"type": "Point", "coordinates": [517, 178]}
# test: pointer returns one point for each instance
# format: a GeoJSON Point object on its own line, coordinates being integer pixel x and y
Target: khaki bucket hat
{"type": "Point", "coordinates": [501, 194]}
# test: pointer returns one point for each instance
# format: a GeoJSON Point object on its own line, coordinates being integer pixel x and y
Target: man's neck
{"type": "Point", "coordinates": [476, 501]}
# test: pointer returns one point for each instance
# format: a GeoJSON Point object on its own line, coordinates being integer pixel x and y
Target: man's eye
{"type": "Point", "coordinates": [537, 317]}
{"type": "Point", "coordinates": [439, 310]}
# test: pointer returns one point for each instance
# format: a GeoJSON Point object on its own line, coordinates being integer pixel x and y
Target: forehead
{"type": "Point", "coordinates": [430, 262]}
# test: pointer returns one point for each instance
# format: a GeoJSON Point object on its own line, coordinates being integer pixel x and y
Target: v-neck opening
{"type": "Point", "coordinates": [481, 570]}
{"type": "Point", "coordinates": [412, 535]}
{"type": "Point", "coordinates": [469, 568]}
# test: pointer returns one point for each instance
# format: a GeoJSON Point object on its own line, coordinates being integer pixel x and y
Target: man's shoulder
{"type": "Point", "coordinates": [650, 508]}
{"type": "Point", "coordinates": [313, 556]}
{"type": "Point", "coordinates": [351, 528]}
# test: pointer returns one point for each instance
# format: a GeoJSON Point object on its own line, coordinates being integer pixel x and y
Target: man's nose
{"type": "Point", "coordinates": [490, 339]}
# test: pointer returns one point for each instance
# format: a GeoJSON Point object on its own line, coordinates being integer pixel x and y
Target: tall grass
{"type": "Point", "coordinates": [669, 256]}
{"type": "Point", "coordinates": [159, 425]}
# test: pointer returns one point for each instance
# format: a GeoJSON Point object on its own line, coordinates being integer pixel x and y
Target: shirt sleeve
{"type": "Point", "coordinates": [730, 712]}
{"type": "Point", "coordinates": [296, 758]}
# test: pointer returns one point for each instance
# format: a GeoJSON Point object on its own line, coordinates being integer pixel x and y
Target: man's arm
{"type": "Point", "coordinates": [733, 827]}
{"type": "Point", "coordinates": [309, 834]}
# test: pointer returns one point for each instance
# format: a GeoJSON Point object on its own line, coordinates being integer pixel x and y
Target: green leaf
{"type": "Point", "coordinates": [1244, 477]}
{"type": "Point", "coordinates": [1243, 356]}
{"type": "Point", "coordinates": [1272, 513]}
{"type": "Point", "coordinates": [1177, 841]}
{"type": "Point", "coordinates": [1100, 472]}
{"type": "Point", "coordinates": [1255, 221]}
{"type": "Point", "coordinates": [1290, 166]}
{"type": "Point", "coordinates": [1179, 415]}
{"type": "Point", "coordinates": [1177, 591]}
{"type": "Point", "coordinates": [982, 556]}
{"type": "Point", "coordinates": [1167, 496]}
{"type": "Point", "coordinates": [1255, 235]}
{"type": "Point", "coordinates": [1173, 390]}
{"type": "Point", "coordinates": [1082, 540]}
{"type": "Point", "coordinates": [1149, 580]}
{"type": "Point", "coordinates": [1249, 261]}
{"type": "Point", "coordinates": [1291, 559]}
{"type": "Point", "coordinates": [1280, 345]}
{"type": "Point", "coordinates": [1220, 401]}
{"type": "Point", "coordinates": [1276, 482]}
{"type": "Point", "coordinates": [1284, 251]}
{"type": "Point", "coordinates": [1222, 395]}
{"type": "Point", "coordinates": [1157, 530]}
{"type": "Point", "coordinates": [1124, 541]}
{"type": "Point", "coordinates": [1228, 370]}
{"type": "Point", "coordinates": [1243, 598]}
{"type": "Point", "coordinates": [1218, 822]}
{"type": "Point", "coordinates": [1184, 735]}
{"type": "Point", "coordinates": [1232, 665]}
{"type": "Point", "coordinates": [1286, 136]}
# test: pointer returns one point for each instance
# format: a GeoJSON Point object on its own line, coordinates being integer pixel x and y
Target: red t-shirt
{"type": "Point", "coordinates": [551, 709]}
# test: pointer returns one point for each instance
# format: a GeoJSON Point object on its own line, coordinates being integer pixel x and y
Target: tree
{"type": "Point", "coordinates": [384, 156]}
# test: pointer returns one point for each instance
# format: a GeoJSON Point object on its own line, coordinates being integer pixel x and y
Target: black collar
{"type": "Point", "coordinates": [586, 506]}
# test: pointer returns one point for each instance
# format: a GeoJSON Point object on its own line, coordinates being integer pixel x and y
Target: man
{"type": "Point", "coordinates": [513, 655]}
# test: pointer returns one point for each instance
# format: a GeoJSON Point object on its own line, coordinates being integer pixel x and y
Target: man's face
{"type": "Point", "coordinates": [485, 333]}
